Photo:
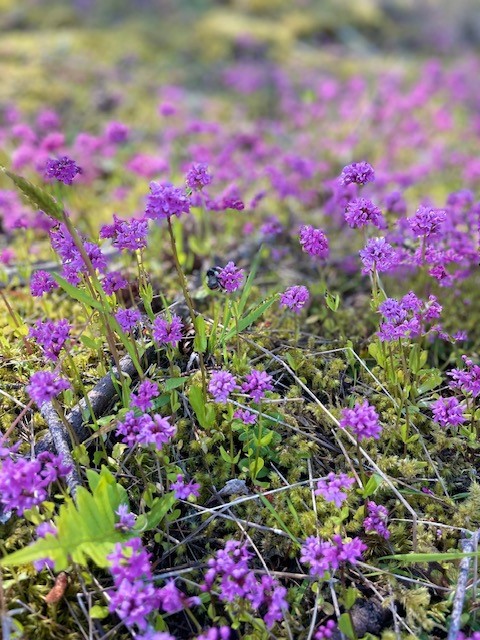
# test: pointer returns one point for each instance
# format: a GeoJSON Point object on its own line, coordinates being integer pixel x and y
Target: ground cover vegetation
{"type": "Point", "coordinates": [239, 345]}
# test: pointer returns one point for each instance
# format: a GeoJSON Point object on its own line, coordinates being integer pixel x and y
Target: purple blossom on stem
{"type": "Point", "coordinates": [332, 488]}
{"type": "Point", "coordinates": [295, 298]}
{"type": "Point", "coordinates": [358, 173]}
{"type": "Point", "coordinates": [172, 599]}
{"type": "Point", "coordinates": [360, 212]}
{"type": "Point", "coordinates": [24, 483]}
{"type": "Point", "coordinates": [127, 318]}
{"type": "Point", "coordinates": [63, 169]}
{"type": "Point", "coordinates": [256, 383]}
{"type": "Point", "coordinates": [165, 201]}
{"type": "Point", "coordinates": [42, 282]}
{"type": "Point", "coordinates": [362, 420]}
{"type": "Point", "coordinates": [246, 416]}
{"type": "Point", "coordinates": [168, 332]}
{"type": "Point", "coordinates": [378, 255]}
{"type": "Point", "coordinates": [376, 520]}
{"type": "Point", "coordinates": [45, 385]}
{"type": "Point", "coordinates": [126, 234]}
{"type": "Point", "coordinates": [327, 555]}
{"type": "Point", "coordinates": [221, 385]}
{"type": "Point", "coordinates": [314, 241]}
{"type": "Point", "coordinates": [145, 430]}
{"type": "Point", "coordinates": [146, 392]}
{"type": "Point", "coordinates": [236, 580]}
{"type": "Point", "coordinates": [427, 221]}
{"type": "Point", "coordinates": [183, 490]}
{"type": "Point", "coordinates": [113, 281]}
{"type": "Point", "coordinates": [448, 412]}
{"type": "Point", "coordinates": [468, 380]}
{"type": "Point", "coordinates": [198, 176]}
{"type": "Point", "coordinates": [126, 519]}
{"type": "Point", "coordinates": [231, 277]}
{"type": "Point", "coordinates": [134, 596]}
{"type": "Point", "coordinates": [51, 336]}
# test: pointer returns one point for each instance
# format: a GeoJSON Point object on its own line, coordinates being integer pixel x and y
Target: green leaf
{"type": "Point", "coordinates": [99, 613]}
{"type": "Point", "coordinates": [204, 411]}
{"type": "Point", "coordinates": [174, 383]}
{"type": "Point", "coordinates": [159, 510]}
{"type": "Point", "coordinates": [77, 294]}
{"type": "Point", "coordinates": [372, 485]}
{"type": "Point", "coordinates": [200, 341]}
{"type": "Point", "coordinates": [251, 317]}
{"type": "Point", "coordinates": [227, 457]}
{"type": "Point", "coordinates": [345, 626]}
{"type": "Point", "coordinates": [432, 557]}
{"type": "Point", "coordinates": [350, 597]}
{"type": "Point", "coordinates": [278, 518]}
{"type": "Point", "coordinates": [35, 195]}
{"type": "Point", "coordinates": [85, 530]}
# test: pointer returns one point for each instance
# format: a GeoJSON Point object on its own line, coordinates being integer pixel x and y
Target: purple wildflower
{"type": "Point", "coordinates": [256, 383]}
{"type": "Point", "coordinates": [215, 633]}
{"type": "Point", "coordinates": [41, 282]}
{"type": "Point", "coordinates": [378, 255]}
{"type": "Point", "coordinates": [24, 483]}
{"type": "Point", "coordinates": [44, 529]}
{"type": "Point", "coordinates": [168, 332]}
{"type": "Point", "coordinates": [145, 430]}
{"type": "Point", "coordinates": [295, 298]}
{"type": "Point", "coordinates": [326, 631]}
{"type": "Point", "coordinates": [116, 132]}
{"type": "Point", "coordinates": [113, 281]}
{"type": "Point", "coordinates": [184, 490]}
{"type": "Point", "coordinates": [362, 420]}
{"type": "Point", "coordinates": [468, 380]}
{"type": "Point", "coordinates": [360, 212]}
{"type": "Point", "coordinates": [127, 318]}
{"type": "Point", "coordinates": [231, 277]}
{"type": "Point", "coordinates": [126, 234]}
{"type": "Point", "coordinates": [236, 580]}
{"type": "Point", "coordinates": [448, 412]}
{"type": "Point", "coordinates": [392, 310]}
{"type": "Point", "coordinates": [165, 201]}
{"type": "Point", "coordinates": [331, 488]}
{"type": "Point", "coordinates": [134, 596]}
{"type": "Point", "coordinates": [143, 399]}
{"type": "Point", "coordinates": [358, 173]}
{"type": "Point", "coordinates": [45, 385]}
{"type": "Point", "coordinates": [221, 385]}
{"type": "Point", "coordinates": [246, 416]}
{"type": "Point", "coordinates": [327, 555]}
{"type": "Point", "coordinates": [63, 169]}
{"type": "Point", "coordinates": [172, 599]}
{"type": "Point", "coordinates": [314, 241]}
{"type": "Point", "coordinates": [51, 336]}
{"type": "Point", "coordinates": [198, 176]}
{"type": "Point", "coordinates": [376, 521]}
{"type": "Point", "coordinates": [126, 519]}
{"type": "Point", "coordinates": [156, 430]}
{"type": "Point", "coordinates": [427, 221]}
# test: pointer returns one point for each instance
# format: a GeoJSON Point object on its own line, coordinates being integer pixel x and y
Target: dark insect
{"type": "Point", "coordinates": [213, 281]}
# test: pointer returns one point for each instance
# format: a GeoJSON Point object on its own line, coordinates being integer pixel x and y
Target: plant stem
{"type": "Point", "coordinates": [188, 299]}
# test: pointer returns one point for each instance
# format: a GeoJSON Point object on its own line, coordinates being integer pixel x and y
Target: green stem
{"type": "Point", "coordinates": [188, 299]}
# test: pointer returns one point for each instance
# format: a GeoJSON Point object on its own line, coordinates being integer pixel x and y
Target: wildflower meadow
{"type": "Point", "coordinates": [239, 320]}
